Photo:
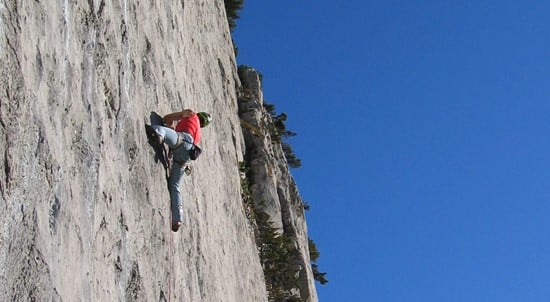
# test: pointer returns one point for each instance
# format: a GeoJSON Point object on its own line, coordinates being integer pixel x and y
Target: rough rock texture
{"type": "Point", "coordinates": [84, 206]}
{"type": "Point", "coordinates": [273, 188]}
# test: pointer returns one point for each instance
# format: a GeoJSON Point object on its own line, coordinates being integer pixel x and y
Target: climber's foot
{"type": "Point", "coordinates": [176, 226]}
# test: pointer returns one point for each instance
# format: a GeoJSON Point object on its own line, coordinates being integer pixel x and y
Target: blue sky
{"type": "Point", "coordinates": [424, 133]}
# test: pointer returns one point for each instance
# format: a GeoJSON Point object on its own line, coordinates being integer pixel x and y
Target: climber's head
{"type": "Point", "coordinates": [204, 118]}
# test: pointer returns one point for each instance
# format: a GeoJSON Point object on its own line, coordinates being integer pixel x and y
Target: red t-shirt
{"type": "Point", "coordinates": [191, 125]}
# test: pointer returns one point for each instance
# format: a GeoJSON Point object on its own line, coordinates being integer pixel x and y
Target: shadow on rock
{"type": "Point", "coordinates": [161, 154]}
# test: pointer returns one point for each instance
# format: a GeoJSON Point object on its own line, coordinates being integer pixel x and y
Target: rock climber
{"type": "Point", "coordinates": [180, 131]}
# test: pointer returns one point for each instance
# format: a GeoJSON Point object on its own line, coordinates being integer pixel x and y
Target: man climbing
{"type": "Point", "coordinates": [181, 131]}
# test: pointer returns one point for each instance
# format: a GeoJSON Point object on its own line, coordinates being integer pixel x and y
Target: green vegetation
{"type": "Point", "coordinates": [276, 258]}
{"type": "Point", "coordinates": [277, 128]}
{"type": "Point", "coordinates": [313, 256]}
{"type": "Point", "coordinates": [232, 9]}
{"type": "Point", "coordinates": [277, 261]}
{"type": "Point", "coordinates": [275, 248]}
{"type": "Point", "coordinates": [279, 134]}
{"type": "Point", "coordinates": [291, 159]}
{"type": "Point", "coordinates": [246, 195]}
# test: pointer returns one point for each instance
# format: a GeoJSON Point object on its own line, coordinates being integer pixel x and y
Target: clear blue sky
{"type": "Point", "coordinates": [424, 133]}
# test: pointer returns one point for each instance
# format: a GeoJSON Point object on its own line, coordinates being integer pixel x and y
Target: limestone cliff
{"type": "Point", "coordinates": [273, 189]}
{"type": "Point", "coordinates": [84, 205]}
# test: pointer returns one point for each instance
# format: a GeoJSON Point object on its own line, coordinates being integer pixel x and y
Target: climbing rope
{"type": "Point", "coordinates": [167, 154]}
{"type": "Point", "coordinates": [170, 265]}
{"type": "Point", "coordinates": [165, 157]}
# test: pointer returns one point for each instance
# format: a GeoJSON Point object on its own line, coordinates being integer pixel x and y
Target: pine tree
{"type": "Point", "coordinates": [232, 9]}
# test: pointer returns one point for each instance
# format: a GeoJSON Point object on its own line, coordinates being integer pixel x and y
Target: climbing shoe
{"type": "Point", "coordinates": [176, 226]}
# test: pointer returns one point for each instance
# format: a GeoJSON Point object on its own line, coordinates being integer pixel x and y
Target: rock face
{"type": "Point", "coordinates": [84, 205]}
{"type": "Point", "coordinates": [273, 189]}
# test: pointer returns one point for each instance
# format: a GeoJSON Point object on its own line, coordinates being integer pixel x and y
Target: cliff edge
{"type": "Point", "coordinates": [84, 205]}
{"type": "Point", "coordinates": [276, 204]}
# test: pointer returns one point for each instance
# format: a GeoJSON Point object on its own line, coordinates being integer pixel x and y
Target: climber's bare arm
{"type": "Point", "coordinates": [170, 119]}
{"type": "Point", "coordinates": [186, 113]}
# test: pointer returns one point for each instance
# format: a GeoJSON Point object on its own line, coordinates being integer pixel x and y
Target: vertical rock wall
{"type": "Point", "coordinates": [84, 209]}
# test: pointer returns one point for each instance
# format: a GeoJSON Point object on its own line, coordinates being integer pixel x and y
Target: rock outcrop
{"type": "Point", "coordinates": [274, 191]}
{"type": "Point", "coordinates": [83, 202]}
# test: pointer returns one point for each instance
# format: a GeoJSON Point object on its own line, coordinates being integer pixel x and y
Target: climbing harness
{"type": "Point", "coordinates": [194, 152]}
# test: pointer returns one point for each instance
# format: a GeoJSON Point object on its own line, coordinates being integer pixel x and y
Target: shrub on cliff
{"type": "Point", "coordinates": [277, 261]}
{"type": "Point", "coordinates": [232, 9]}
{"type": "Point", "coordinates": [291, 158]}
{"type": "Point", "coordinates": [279, 133]}
{"type": "Point", "coordinates": [313, 256]}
